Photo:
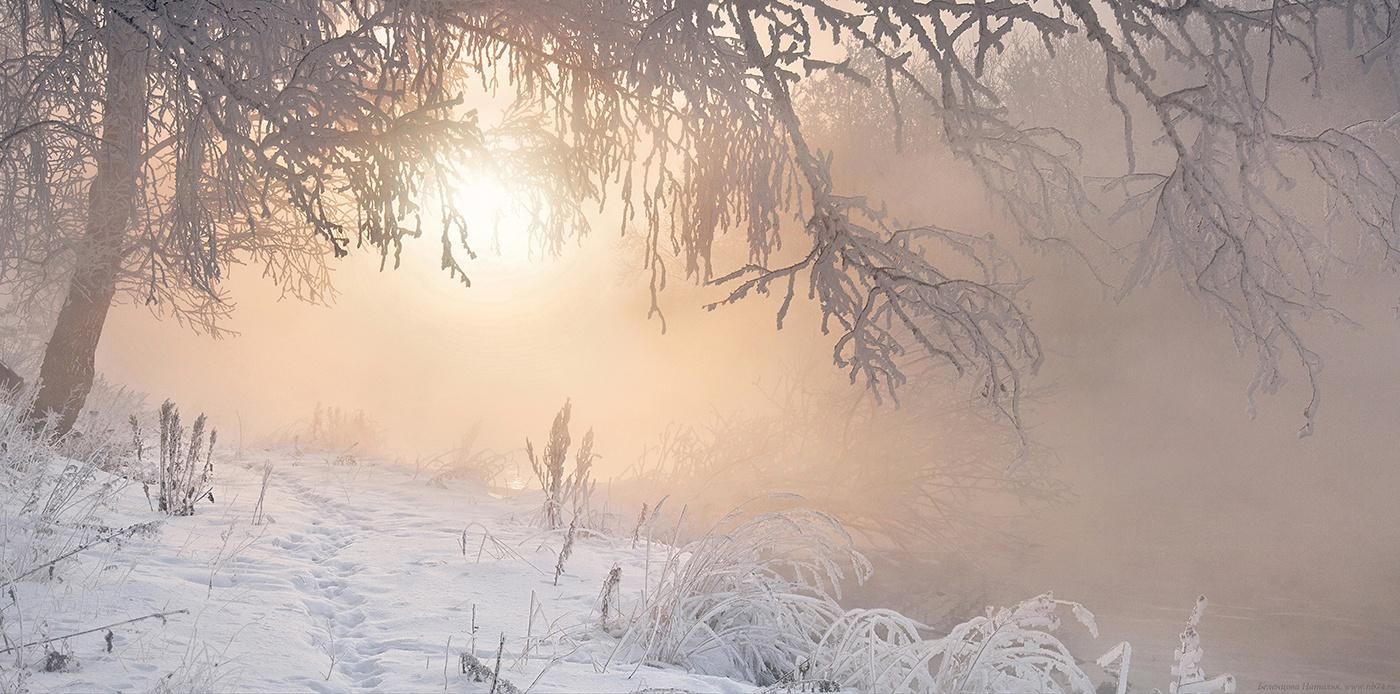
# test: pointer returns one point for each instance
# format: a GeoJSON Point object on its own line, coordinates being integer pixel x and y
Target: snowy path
{"type": "Point", "coordinates": [328, 592]}
{"type": "Point", "coordinates": [356, 583]}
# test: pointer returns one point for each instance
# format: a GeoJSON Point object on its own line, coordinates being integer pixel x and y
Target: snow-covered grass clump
{"type": "Point", "coordinates": [52, 508]}
{"type": "Point", "coordinates": [749, 598]}
{"type": "Point", "coordinates": [756, 599]}
{"type": "Point", "coordinates": [51, 500]}
{"type": "Point", "coordinates": [565, 495]}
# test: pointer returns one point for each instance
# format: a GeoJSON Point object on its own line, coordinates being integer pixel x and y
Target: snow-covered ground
{"type": "Point", "coordinates": [358, 580]}
{"type": "Point", "coordinates": [367, 576]}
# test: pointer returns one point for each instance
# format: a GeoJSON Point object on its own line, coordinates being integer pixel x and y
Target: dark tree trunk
{"type": "Point", "coordinates": [67, 371]}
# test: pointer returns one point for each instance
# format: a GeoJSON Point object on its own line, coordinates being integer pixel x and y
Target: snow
{"type": "Point", "coordinates": [369, 576]}
{"type": "Point", "coordinates": [359, 580]}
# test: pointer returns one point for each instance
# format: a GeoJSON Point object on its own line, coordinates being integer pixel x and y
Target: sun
{"type": "Point", "coordinates": [499, 216]}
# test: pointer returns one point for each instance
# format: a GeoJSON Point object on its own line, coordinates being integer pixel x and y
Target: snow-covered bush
{"type": "Point", "coordinates": [1188, 677]}
{"type": "Point", "coordinates": [469, 462]}
{"type": "Point", "coordinates": [1010, 650]}
{"type": "Point", "coordinates": [21, 445]}
{"type": "Point", "coordinates": [41, 490]}
{"type": "Point", "coordinates": [332, 428]}
{"type": "Point", "coordinates": [564, 493]}
{"type": "Point", "coordinates": [479, 466]}
{"type": "Point", "coordinates": [100, 434]}
{"type": "Point", "coordinates": [566, 550]}
{"type": "Point", "coordinates": [610, 600]}
{"type": "Point", "coordinates": [748, 599]}
{"type": "Point", "coordinates": [184, 471]}
{"type": "Point", "coordinates": [51, 509]}
{"type": "Point", "coordinates": [755, 599]}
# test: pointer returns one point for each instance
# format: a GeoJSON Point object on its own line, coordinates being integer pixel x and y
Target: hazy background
{"type": "Point", "coordinates": [1177, 490]}
{"type": "Point", "coordinates": [1142, 407]}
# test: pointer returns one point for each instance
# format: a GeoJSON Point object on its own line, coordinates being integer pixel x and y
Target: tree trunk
{"type": "Point", "coordinates": [67, 371]}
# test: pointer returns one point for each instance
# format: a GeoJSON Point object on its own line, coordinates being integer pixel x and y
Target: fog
{"type": "Point", "coordinates": [1142, 406]}
{"type": "Point", "coordinates": [1172, 479]}
{"type": "Point", "coordinates": [426, 357]}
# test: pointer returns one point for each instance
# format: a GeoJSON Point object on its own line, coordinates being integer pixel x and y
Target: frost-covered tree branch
{"type": "Point", "coordinates": [877, 285]}
{"type": "Point", "coordinates": [1228, 213]}
{"type": "Point", "coordinates": [1227, 188]}
{"type": "Point", "coordinates": [287, 134]}
{"type": "Point", "coordinates": [284, 135]}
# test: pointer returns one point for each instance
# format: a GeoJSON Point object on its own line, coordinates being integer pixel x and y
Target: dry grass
{"type": "Point", "coordinates": [749, 598]}
{"type": "Point", "coordinates": [564, 493]}
{"type": "Point", "coordinates": [184, 466]}
{"type": "Point", "coordinates": [756, 599]}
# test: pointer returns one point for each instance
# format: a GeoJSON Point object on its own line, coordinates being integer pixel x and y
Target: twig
{"type": "Point", "coordinates": [496, 674]}
{"type": "Point", "coordinates": [446, 658]}
{"type": "Point", "coordinates": [158, 615]}
{"type": "Point", "coordinates": [530, 625]}
{"type": "Point", "coordinates": [124, 532]}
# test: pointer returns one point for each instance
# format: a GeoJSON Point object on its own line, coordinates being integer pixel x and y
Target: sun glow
{"type": "Point", "coordinates": [508, 232]}
{"type": "Point", "coordinates": [500, 216]}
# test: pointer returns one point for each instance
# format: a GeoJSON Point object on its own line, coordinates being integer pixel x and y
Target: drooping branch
{"type": "Point", "coordinates": [879, 287]}
{"type": "Point", "coordinates": [1230, 209]}
{"type": "Point", "coordinates": [1228, 213]}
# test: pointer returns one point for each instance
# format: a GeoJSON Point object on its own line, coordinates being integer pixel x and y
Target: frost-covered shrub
{"type": "Point", "coordinates": [755, 599]}
{"type": "Point", "coordinates": [332, 428]}
{"type": "Point", "coordinates": [184, 467]}
{"type": "Point", "coordinates": [610, 600]}
{"type": "Point", "coordinates": [567, 550]}
{"type": "Point", "coordinates": [42, 491]}
{"type": "Point", "coordinates": [51, 510]}
{"type": "Point", "coordinates": [467, 462]}
{"type": "Point", "coordinates": [1188, 677]}
{"type": "Point", "coordinates": [564, 494]}
{"type": "Point", "coordinates": [100, 434]}
{"type": "Point", "coordinates": [749, 599]}
{"type": "Point", "coordinates": [22, 445]}
{"type": "Point", "coordinates": [1010, 650]}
